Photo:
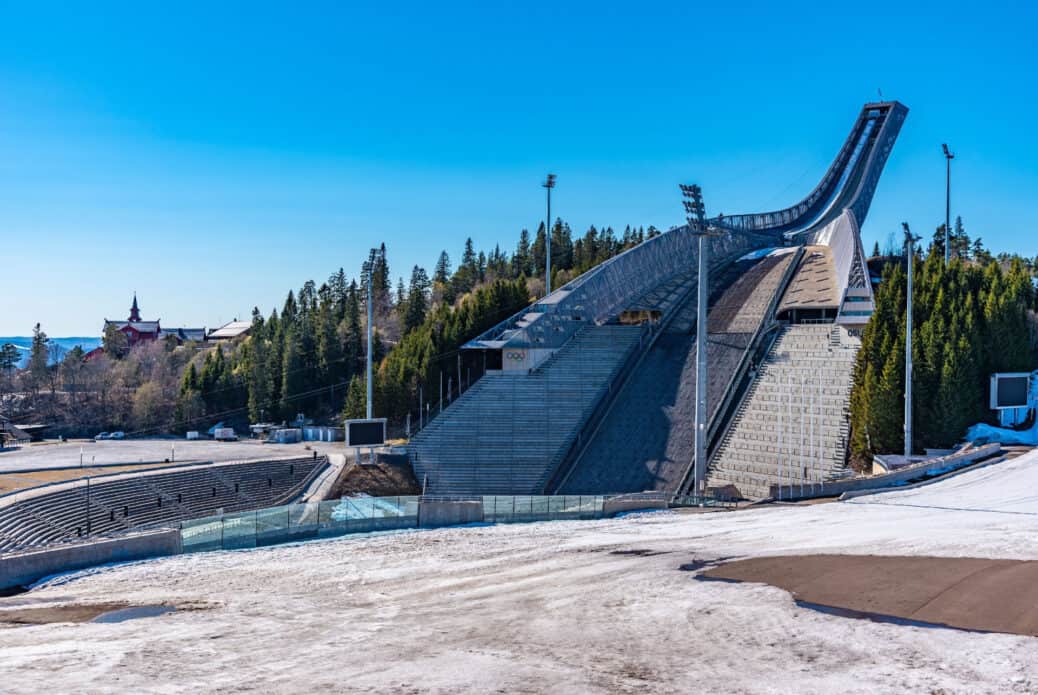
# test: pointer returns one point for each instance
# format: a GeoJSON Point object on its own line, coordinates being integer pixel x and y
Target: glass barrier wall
{"type": "Point", "coordinates": [365, 515]}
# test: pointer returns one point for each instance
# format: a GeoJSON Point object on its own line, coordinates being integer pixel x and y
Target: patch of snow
{"type": "Point", "coordinates": [545, 607]}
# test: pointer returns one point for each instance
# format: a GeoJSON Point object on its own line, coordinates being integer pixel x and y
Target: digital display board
{"type": "Point", "coordinates": [366, 432]}
{"type": "Point", "coordinates": [1010, 390]}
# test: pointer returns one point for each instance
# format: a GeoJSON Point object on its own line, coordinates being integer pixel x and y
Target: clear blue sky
{"type": "Point", "coordinates": [213, 155]}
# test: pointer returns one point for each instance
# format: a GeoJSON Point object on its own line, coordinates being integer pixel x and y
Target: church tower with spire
{"type": "Point", "coordinates": [135, 313]}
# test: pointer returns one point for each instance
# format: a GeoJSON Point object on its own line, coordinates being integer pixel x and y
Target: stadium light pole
{"type": "Point", "coordinates": [371, 313]}
{"type": "Point", "coordinates": [948, 156]}
{"type": "Point", "coordinates": [910, 250]}
{"type": "Point", "coordinates": [695, 215]}
{"type": "Point", "coordinates": [548, 184]}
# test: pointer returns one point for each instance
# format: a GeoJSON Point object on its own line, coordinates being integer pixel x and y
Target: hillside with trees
{"type": "Point", "coordinates": [971, 318]}
{"type": "Point", "coordinates": [308, 355]}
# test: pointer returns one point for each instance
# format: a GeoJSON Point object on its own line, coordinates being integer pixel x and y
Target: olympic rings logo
{"type": "Point", "coordinates": [515, 356]}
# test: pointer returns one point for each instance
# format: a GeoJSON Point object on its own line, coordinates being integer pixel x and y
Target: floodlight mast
{"type": "Point", "coordinates": [548, 184]}
{"type": "Point", "coordinates": [948, 156]}
{"type": "Point", "coordinates": [695, 214]}
{"type": "Point", "coordinates": [371, 313]}
{"type": "Point", "coordinates": [910, 240]}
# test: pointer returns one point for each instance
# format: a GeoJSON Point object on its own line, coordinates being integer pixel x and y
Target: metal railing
{"type": "Point", "coordinates": [294, 522]}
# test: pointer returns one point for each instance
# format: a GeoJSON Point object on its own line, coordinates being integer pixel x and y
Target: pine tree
{"type": "Point", "coordinates": [9, 359]}
{"type": "Point", "coordinates": [969, 322]}
{"type": "Point", "coordinates": [537, 253]}
{"type": "Point", "coordinates": [353, 330]}
{"type": "Point", "coordinates": [115, 342]}
{"type": "Point", "coordinates": [289, 310]}
{"type": "Point", "coordinates": [338, 286]}
{"type": "Point", "coordinates": [331, 355]}
{"type": "Point", "coordinates": [960, 240]}
{"type": "Point", "coordinates": [190, 405]}
{"type": "Point", "coordinates": [356, 400]}
{"type": "Point", "coordinates": [417, 300]}
{"type": "Point", "coordinates": [258, 378]}
{"type": "Point", "coordinates": [293, 380]}
{"type": "Point", "coordinates": [38, 368]}
{"type": "Point", "coordinates": [442, 272]}
{"type": "Point", "coordinates": [468, 258]}
{"type": "Point", "coordinates": [522, 263]}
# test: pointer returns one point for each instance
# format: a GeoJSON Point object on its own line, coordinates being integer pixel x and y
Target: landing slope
{"type": "Point", "coordinates": [590, 607]}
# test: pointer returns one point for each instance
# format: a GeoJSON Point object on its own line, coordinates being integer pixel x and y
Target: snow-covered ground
{"type": "Point", "coordinates": [67, 455]}
{"type": "Point", "coordinates": [560, 607]}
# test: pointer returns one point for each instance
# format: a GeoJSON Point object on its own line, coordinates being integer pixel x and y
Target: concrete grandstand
{"type": "Point", "coordinates": [594, 387]}
{"type": "Point", "coordinates": [123, 502]}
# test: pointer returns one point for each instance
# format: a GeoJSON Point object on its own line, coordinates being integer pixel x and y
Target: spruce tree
{"type": "Point", "coordinates": [356, 400]}
{"type": "Point", "coordinates": [292, 377]}
{"type": "Point", "coordinates": [417, 299]}
{"type": "Point", "coordinates": [522, 262]}
{"type": "Point", "coordinates": [442, 272]}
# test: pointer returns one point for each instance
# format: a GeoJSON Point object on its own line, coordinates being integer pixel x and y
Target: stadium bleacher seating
{"type": "Point", "coordinates": [130, 501]}
{"type": "Point", "coordinates": [792, 426]}
{"type": "Point", "coordinates": [646, 440]}
{"type": "Point", "coordinates": [506, 433]}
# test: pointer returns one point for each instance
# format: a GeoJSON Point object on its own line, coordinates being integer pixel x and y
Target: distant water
{"type": "Point", "coordinates": [59, 346]}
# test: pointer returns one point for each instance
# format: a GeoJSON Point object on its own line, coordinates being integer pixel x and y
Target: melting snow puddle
{"type": "Point", "coordinates": [35, 614]}
{"type": "Point", "coordinates": [132, 613]}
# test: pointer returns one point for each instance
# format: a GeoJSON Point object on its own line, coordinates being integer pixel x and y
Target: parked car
{"type": "Point", "coordinates": [102, 435]}
{"type": "Point", "coordinates": [225, 434]}
{"type": "Point", "coordinates": [117, 435]}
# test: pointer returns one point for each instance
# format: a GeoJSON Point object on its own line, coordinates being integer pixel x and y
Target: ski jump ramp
{"type": "Point", "coordinates": [559, 371]}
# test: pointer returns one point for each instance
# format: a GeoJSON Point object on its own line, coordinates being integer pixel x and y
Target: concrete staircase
{"type": "Point", "coordinates": [508, 432]}
{"type": "Point", "coordinates": [646, 440]}
{"type": "Point", "coordinates": [792, 426]}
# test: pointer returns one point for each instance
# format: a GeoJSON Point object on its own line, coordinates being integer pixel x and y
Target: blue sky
{"type": "Point", "coordinates": [212, 158]}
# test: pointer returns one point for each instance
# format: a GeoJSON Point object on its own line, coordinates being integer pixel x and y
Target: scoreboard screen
{"type": "Point", "coordinates": [1010, 390]}
{"type": "Point", "coordinates": [366, 432]}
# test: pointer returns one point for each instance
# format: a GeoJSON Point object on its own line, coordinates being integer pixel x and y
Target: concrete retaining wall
{"type": "Point", "coordinates": [436, 514]}
{"type": "Point", "coordinates": [924, 469]}
{"type": "Point", "coordinates": [25, 568]}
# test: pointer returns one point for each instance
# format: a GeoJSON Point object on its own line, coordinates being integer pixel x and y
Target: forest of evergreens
{"type": "Point", "coordinates": [971, 318]}
{"type": "Point", "coordinates": [307, 357]}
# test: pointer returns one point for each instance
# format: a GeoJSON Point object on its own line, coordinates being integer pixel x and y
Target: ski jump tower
{"type": "Point", "coordinates": [560, 403]}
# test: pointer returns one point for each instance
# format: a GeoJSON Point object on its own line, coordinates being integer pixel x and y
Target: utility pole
{"type": "Point", "coordinates": [88, 505]}
{"type": "Point", "coordinates": [910, 250]}
{"type": "Point", "coordinates": [548, 184]}
{"type": "Point", "coordinates": [371, 314]}
{"type": "Point", "coordinates": [695, 214]}
{"type": "Point", "coordinates": [948, 156]}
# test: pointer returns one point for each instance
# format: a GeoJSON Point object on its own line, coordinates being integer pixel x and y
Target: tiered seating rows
{"type": "Point", "coordinates": [151, 498]}
{"type": "Point", "coordinates": [647, 440]}
{"type": "Point", "coordinates": [506, 434]}
{"type": "Point", "coordinates": [792, 427]}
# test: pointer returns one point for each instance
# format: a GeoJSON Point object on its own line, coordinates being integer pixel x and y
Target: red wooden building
{"type": "Point", "coordinates": [136, 330]}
